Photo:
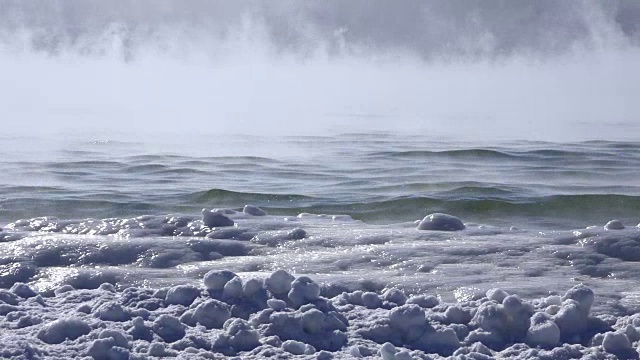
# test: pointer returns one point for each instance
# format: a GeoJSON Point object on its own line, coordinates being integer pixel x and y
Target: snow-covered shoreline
{"type": "Point", "coordinates": [283, 316]}
{"type": "Point", "coordinates": [248, 285]}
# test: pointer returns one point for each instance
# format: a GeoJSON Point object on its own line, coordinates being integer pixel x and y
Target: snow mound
{"type": "Point", "coordinates": [182, 295]}
{"type": "Point", "coordinates": [59, 330]}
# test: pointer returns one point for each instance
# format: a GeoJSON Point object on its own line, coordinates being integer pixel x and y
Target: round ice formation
{"type": "Point", "coordinates": [571, 320]}
{"type": "Point", "coordinates": [442, 222]}
{"type": "Point", "coordinates": [297, 348]}
{"type": "Point", "coordinates": [211, 314]}
{"type": "Point", "coordinates": [215, 218]}
{"type": "Point", "coordinates": [8, 297]}
{"type": "Point", "coordinates": [371, 300]}
{"type": "Point", "coordinates": [112, 311]}
{"type": "Point", "coordinates": [61, 329]}
{"type": "Point", "coordinates": [238, 335]}
{"type": "Point", "coordinates": [277, 304]}
{"type": "Point", "coordinates": [215, 280]}
{"type": "Point", "coordinates": [251, 287]}
{"type": "Point", "coordinates": [496, 294]}
{"type": "Point", "coordinates": [23, 290]}
{"type": "Point", "coordinates": [63, 289]}
{"type": "Point", "coordinates": [169, 328]}
{"type": "Point", "coordinates": [140, 331]}
{"type": "Point", "coordinates": [279, 282]}
{"type": "Point", "coordinates": [253, 210]}
{"type": "Point", "coordinates": [506, 322]}
{"type": "Point", "coordinates": [395, 296]}
{"type": "Point", "coordinates": [387, 351]}
{"type": "Point", "coordinates": [542, 331]}
{"type": "Point", "coordinates": [456, 315]}
{"type": "Point", "coordinates": [303, 290]}
{"type": "Point", "coordinates": [313, 321]}
{"type": "Point", "coordinates": [616, 343]}
{"type": "Point", "coordinates": [407, 316]}
{"type": "Point", "coordinates": [233, 289]}
{"type": "Point", "coordinates": [614, 225]}
{"type": "Point", "coordinates": [632, 333]}
{"type": "Point", "coordinates": [583, 296]}
{"type": "Point", "coordinates": [182, 295]}
{"type": "Point", "coordinates": [111, 344]}
{"type": "Point", "coordinates": [296, 234]}
{"type": "Point", "coordinates": [425, 301]}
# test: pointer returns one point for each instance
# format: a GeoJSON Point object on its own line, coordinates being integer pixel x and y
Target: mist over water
{"type": "Point", "coordinates": [460, 70]}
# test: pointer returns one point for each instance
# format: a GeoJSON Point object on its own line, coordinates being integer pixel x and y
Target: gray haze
{"type": "Point", "coordinates": [427, 29]}
{"type": "Point", "coordinates": [536, 69]}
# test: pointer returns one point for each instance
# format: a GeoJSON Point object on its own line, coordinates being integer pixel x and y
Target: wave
{"type": "Point", "coordinates": [485, 154]}
{"type": "Point", "coordinates": [557, 211]}
{"type": "Point", "coordinates": [222, 196]}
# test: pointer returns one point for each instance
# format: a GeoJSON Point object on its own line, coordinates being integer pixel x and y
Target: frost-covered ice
{"type": "Point", "coordinates": [248, 284]}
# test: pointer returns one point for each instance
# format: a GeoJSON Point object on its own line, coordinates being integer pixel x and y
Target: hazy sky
{"type": "Point", "coordinates": [537, 69]}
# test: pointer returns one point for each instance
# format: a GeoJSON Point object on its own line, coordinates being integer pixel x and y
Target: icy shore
{"type": "Point", "coordinates": [283, 316]}
{"type": "Point", "coordinates": [73, 289]}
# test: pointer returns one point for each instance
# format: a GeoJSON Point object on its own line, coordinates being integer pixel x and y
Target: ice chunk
{"type": "Point", "coordinates": [582, 295]}
{"type": "Point", "coordinates": [112, 311]}
{"type": "Point", "coordinates": [296, 234]}
{"type": "Point", "coordinates": [303, 290]}
{"type": "Point", "coordinates": [252, 287]}
{"type": "Point", "coordinates": [542, 331]}
{"type": "Point", "coordinates": [182, 295]}
{"type": "Point", "coordinates": [442, 222]}
{"type": "Point", "coordinates": [571, 319]}
{"type": "Point", "coordinates": [241, 336]}
{"type": "Point", "coordinates": [371, 300]}
{"type": "Point", "coordinates": [425, 301]}
{"type": "Point", "coordinates": [616, 342]}
{"type": "Point", "coordinates": [23, 290]}
{"type": "Point", "coordinates": [276, 304]}
{"type": "Point", "coordinates": [159, 350]}
{"type": "Point", "coordinates": [632, 333]}
{"type": "Point", "coordinates": [394, 295]}
{"type": "Point", "coordinates": [614, 225]}
{"type": "Point", "coordinates": [105, 348]}
{"type": "Point", "coordinates": [279, 282]}
{"type": "Point", "coordinates": [169, 328]}
{"type": "Point", "coordinates": [456, 315]}
{"type": "Point", "coordinates": [66, 328]}
{"type": "Point", "coordinates": [253, 210]}
{"type": "Point", "coordinates": [9, 297]}
{"type": "Point", "coordinates": [212, 314]}
{"type": "Point", "coordinates": [442, 340]}
{"type": "Point", "coordinates": [387, 351]}
{"type": "Point", "coordinates": [63, 289]}
{"type": "Point", "coordinates": [215, 280]}
{"type": "Point", "coordinates": [297, 348]}
{"type": "Point", "coordinates": [496, 295]}
{"type": "Point", "coordinates": [233, 289]}
{"type": "Point", "coordinates": [407, 316]}
{"type": "Point", "coordinates": [215, 218]}
{"type": "Point", "coordinates": [140, 331]}
{"type": "Point", "coordinates": [324, 355]}
{"type": "Point", "coordinates": [313, 321]}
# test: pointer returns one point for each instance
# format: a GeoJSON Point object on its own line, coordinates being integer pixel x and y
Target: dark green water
{"type": "Point", "coordinates": [376, 178]}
